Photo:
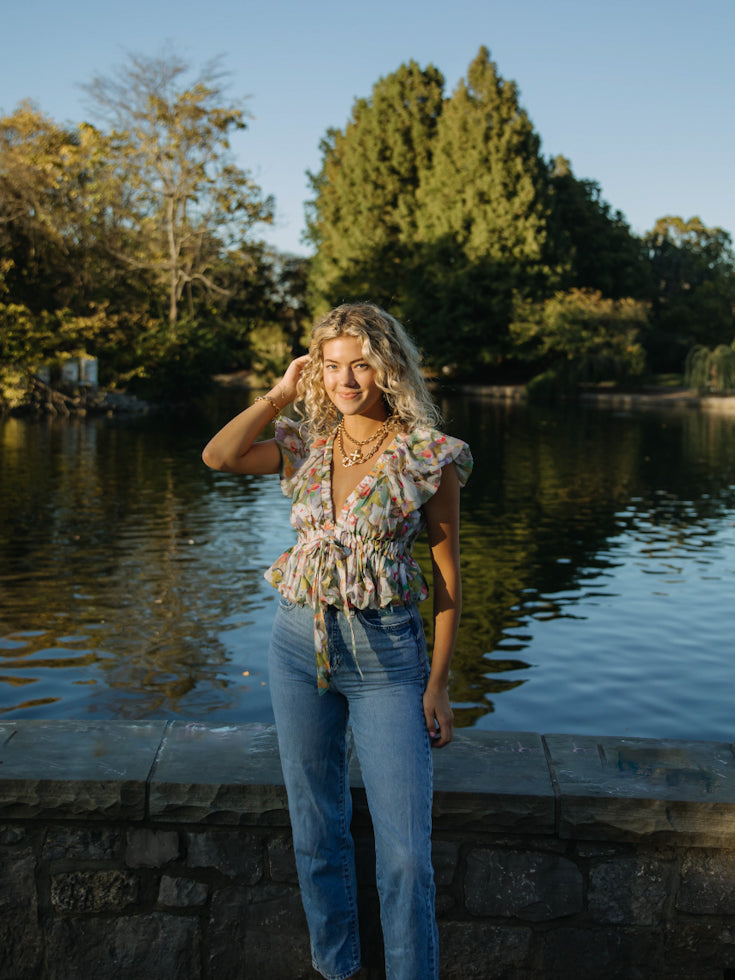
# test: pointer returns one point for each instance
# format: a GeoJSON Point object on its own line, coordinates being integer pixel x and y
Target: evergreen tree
{"type": "Point", "coordinates": [595, 244]}
{"type": "Point", "coordinates": [483, 219]}
{"type": "Point", "coordinates": [362, 220]}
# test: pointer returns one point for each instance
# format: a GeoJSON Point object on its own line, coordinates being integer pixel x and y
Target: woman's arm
{"type": "Point", "coordinates": [442, 515]}
{"type": "Point", "coordinates": [234, 449]}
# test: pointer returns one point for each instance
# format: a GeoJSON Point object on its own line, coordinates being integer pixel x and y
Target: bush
{"type": "Point", "coordinates": [584, 335]}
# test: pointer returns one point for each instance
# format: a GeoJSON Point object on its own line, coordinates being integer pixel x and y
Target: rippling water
{"type": "Point", "coordinates": [598, 557]}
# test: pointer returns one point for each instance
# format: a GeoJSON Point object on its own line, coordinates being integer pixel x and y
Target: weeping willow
{"type": "Point", "coordinates": [711, 370]}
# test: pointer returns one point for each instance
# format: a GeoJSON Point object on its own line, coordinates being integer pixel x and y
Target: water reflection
{"type": "Point", "coordinates": [597, 560]}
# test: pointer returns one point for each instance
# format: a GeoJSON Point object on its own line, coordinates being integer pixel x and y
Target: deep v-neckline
{"type": "Point", "coordinates": [328, 480]}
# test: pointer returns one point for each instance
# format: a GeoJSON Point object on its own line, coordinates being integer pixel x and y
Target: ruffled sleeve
{"type": "Point", "coordinates": [294, 452]}
{"type": "Point", "coordinates": [421, 456]}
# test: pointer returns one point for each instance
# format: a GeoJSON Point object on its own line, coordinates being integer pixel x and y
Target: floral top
{"type": "Point", "coordinates": [361, 557]}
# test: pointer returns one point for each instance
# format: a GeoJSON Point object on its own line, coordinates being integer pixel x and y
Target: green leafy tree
{"type": "Point", "coordinates": [484, 211]}
{"type": "Point", "coordinates": [62, 293]}
{"type": "Point", "coordinates": [362, 220]}
{"type": "Point", "coordinates": [178, 195]}
{"type": "Point", "coordinates": [596, 247]}
{"type": "Point", "coordinates": [582, 336]}
{"type": "Point", "coordinates": [48, 254]}
{"type": "Point", "coordinates": [693, 298]}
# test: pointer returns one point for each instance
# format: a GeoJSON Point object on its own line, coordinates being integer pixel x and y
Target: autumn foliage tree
{"type": "Point", "coordinates": [48, 259]}
{"type": "Point", "coordinates": [134, 240]}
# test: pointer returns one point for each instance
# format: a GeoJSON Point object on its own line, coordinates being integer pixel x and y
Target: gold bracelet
{"type": "Point", "coordinates": [267, 398]}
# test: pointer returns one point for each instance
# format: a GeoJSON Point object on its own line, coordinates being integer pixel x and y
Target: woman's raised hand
{"type": "Point", "coordinates": [286, 387]}
{"type": "Point", "coordinates": [234, 450]}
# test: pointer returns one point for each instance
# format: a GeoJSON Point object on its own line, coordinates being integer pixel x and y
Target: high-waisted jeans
{"type": "Point", "coordinates": [381, 695]}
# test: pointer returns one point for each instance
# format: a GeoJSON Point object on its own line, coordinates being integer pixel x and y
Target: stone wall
{"type": "Point", "coordinates": [162, 850]}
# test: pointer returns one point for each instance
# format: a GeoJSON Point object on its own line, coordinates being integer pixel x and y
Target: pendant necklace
{"type": "Point", "coordinates": [357, 456]}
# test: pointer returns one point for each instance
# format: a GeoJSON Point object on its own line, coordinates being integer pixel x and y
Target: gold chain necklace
{"type": "Point", "coordinates": [357, 456]}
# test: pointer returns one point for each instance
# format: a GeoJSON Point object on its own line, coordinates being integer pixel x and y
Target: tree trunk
{"type": "Point", "coordinates": [173, 307]}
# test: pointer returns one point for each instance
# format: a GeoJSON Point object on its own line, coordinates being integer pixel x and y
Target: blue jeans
{"type": "Point", "coordinates": [385, 709]}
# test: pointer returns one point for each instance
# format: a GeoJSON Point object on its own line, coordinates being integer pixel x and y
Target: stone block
{"type": "Point", "coordinates": [151, 848]}
{"type": "Point", "coordinates": [480, 951]}
{"type": "Point", "coordinates": [629, 890]}
{"type": "Point", "coordinates": [657, 790]}
{"type": "Point", "coordinates": [281, 860]}
{"type": "Point", "coordinates": [444, 857]}
{"type": "Point", "coordinates": [75, 769]}
{"type": "Point", "coordinates": [17, 878]}
{"type": "Point", "coordinates": [21, 947]}
{"type": "Point", "coordinates": [605, 953]}
{"type": "Point", "coordinates": [259, 933]}
{"type": "Point", "coordinates": [699, 951]}
{"type": "Point", "coordinates": [536, 887]}
{"type": "Point", "coordinates": [12, 835]}
{"type": "Point", "coordinates": [126, 948]}
{"type": "Point", "coordinates": [233, 853]}
{"type": "Point", "coordinates": [707, 883]}
{"type": "Point", "coordinates": [82, 844]}
{"type": "Point", "coordinates": [219, 774]}
{"type": "Point", "coordinates": [443, 904]}
{"type": "Point", "coordinates": [182, 892]}
{"type": "Point", "coordinates": [93, 891]}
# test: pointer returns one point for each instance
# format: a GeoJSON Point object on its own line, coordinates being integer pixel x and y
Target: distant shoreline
{"type": "Point", "coordinates": [644, 397]}
{"type": "Point", "coordinates": [647, 397]}
{"type": "Point", "coordinates": [98, 401]}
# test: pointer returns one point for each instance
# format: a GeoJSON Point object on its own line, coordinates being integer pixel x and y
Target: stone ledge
{"type": "Point", "coordinates": [498, 780]}
{"type": "Point", "coordinates": [218, 774]}
{"type": "Point", "coordinates": [625, 789]}
{"type": "Point", "coordinates": [579, 787]}
{"type": "Point", "coordinates": [67, 769]}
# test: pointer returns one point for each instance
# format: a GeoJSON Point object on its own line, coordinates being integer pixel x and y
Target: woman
{"type": "Point", "coordinates": [366, 469]}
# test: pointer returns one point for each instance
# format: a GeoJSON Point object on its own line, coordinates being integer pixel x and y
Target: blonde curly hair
{"type": "Point", "coordinates": [387, 348]}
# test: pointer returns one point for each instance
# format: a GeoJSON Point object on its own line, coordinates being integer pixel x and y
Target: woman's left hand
{"type": "Point", "coordinates": [439, 716]}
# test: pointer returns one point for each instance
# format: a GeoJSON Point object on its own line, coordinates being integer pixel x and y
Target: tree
{"type": "Point", "coordinates": [693, 297]}
{"type": "Point", "coordinates": [60, 293]}
{"type": "Point", "coordinates": [711, 370]}
{"type": "Point", "coordinates": [484, 209]}
{"type": "Point", "coordinates": [180, 198]}
{"type": "Point", "coordinates": [44, 171]}
{"type": "Point", "coordinates": [583, 335]}
{"type": "Point", "coordinates": [595, 245]}
{"type": "Point", "coordinates": [363, 218]}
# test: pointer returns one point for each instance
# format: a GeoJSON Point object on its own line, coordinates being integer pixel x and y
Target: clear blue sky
{"type": "Point", "coordinates": [638, 94]}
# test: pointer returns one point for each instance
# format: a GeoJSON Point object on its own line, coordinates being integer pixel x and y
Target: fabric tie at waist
{"type": "Point", "coordinates": [329, 556]}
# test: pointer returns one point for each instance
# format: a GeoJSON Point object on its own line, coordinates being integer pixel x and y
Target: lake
{"type": "Point", "coordinates": [598, 559]}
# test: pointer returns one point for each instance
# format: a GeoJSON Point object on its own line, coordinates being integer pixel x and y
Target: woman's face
{"type": "Point", "coordinates": [349, 380]}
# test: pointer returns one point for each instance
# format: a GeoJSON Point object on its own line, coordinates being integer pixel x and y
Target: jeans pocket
{"type": "Point", "coordinates": [390, 619]}
{"type": "Point", "coordinates": [286, 604]}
